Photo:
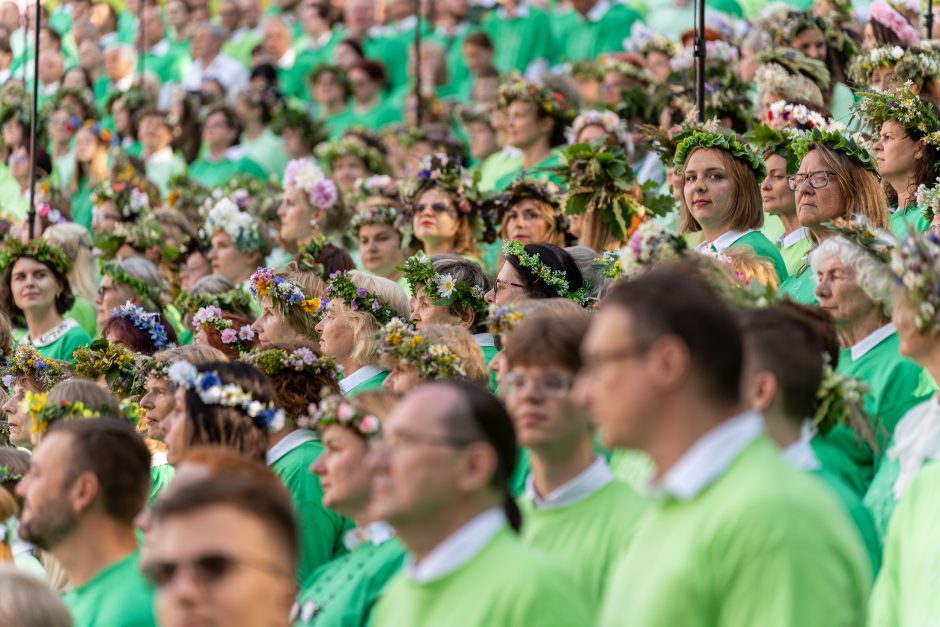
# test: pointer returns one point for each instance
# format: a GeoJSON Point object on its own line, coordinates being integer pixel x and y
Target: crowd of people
{"type": "Point", "coordinates": [462, 313]}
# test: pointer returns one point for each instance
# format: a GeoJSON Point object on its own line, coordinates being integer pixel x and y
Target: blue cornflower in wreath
{"type": "Point", "coordinates": [145, 321]}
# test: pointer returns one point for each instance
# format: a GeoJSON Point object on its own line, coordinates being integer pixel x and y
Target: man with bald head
{"type": "Point", "coordinates": [441, 479]}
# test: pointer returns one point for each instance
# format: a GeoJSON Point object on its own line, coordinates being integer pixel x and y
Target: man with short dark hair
{"type": "Point", "coordinates": [223, 553]}
{"type": "Point", "coordinates": [737, 535]}
{"type": "Point", "coordinates": [87, 481]}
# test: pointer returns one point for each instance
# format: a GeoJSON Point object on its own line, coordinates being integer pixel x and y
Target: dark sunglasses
{"type": "Point", "coordinates": [206, 569]}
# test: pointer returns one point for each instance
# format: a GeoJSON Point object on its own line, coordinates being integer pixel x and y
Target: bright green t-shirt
{"type": "Point", "coordinates": [588, 536]}
{"type": "Point", "coordinates": [161, 473]}
{"type": "Point", "coordinates": [794, 254]}
{"type": "Point", "coordinates": [267, 150]}
{"type": "Point", "coordinates": [583, 37]}
{"type": "Point", "coordinates": [764, 544]}
{"type": "Point", "coordinates": [118, 596]}
{"type": "Point", "coordinates": [541, 171]}
{"type": "Point", "coordinates": [373, 382]}
{"type": "Point", "coordinates": [799, 287]}
{"type": "Point", "coordinates": [497, 166]}
{"type": "Point", "coordinates": [525, 37]}
{"type": "Point", "coordinates": [859, 514]}
{"type": "Point", "coordinates": [60, 342]}
{"type": "Point", "coordinates": [506, 584]}
{"type": "Point", "coordinates": [901, 221]}
{"type": "Point", "coordinates": [320, 529]}
{"type": "Point", "coordinates": [215, 173]}
{"type": "Point", "coordinates": [85, 314]}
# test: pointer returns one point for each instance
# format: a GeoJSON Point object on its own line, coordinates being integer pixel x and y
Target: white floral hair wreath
{"type": "Point", "coordinates": [306, 175]}
{"type": "Point", "coordinates": [608, 120]}
{"type": "Point", "coordinates": [225, 215]}
{"type": "Point", "coordinates": [773, 78]}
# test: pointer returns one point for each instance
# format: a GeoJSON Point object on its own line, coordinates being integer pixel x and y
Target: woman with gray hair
{"type": "Point", "coordinates": [854, 285]}
{"type": "Point", "coordinates": [133, 279]}
{"type": "Point", "coordinates": [586, 258]}
{"type": "Point", "coordinates": [27, 602]}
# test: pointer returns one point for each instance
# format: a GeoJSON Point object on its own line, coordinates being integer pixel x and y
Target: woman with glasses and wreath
{"type": "Point", "coordinates": [721, 195]}
{"type": "Point", "coordinates": [837, 178]}
{"type": "Point", "coordinates": [537, 271]}
{"type": "Point", "coordinates": [35, 290]}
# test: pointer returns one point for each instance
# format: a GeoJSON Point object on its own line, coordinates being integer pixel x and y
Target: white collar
{"type": "Point", "coordinates": [710, 456]}
{"type": "Point", "coordinates": [360, 376]}
{"type": "Point", "coordinates": [598, 11]}
{"type": "Point", "coordinates": [458, 549]}
{"type": "Point", "coordinates": [589, 481]}
{"type": "Point", "coordinates": [160, 48]}
{"type": "Point", "coordinates": [800, 454]}
{"type": "Point", "coordinates": [375, 32]}
{"type": "Point", "coordinates": [52, 334]}
{"type": "Point", "coordinates": [879, 335]}
{"type": "Point", "coordinates": [378, 533]}
{"type": "Point", "coordinates": [164, 155]}
{"type": "Point", "coordinates": [287, 444]}
{"type": "Point", "coordinates": [724, 241]}
{"type": "Point", "coordinates": [406, 24]}
{"type": "Point", "coordinates": [287, 59]}
{"type": "Point", "coordinates": [50, 89]}
{"type": "Point", "coordinates": [795, 237]}
{"type": "Point", "coordinates": [158, 459]}
{"type": "Point", "coordinates": [235, 153]}
{"type": "Point", "coordinates": [125, 83]}
{"type": "Point", "coordinates": [916, 439]}
{"type": "Point", "coordinates": [318, 42]}
{"type": "Point", "coordinates": [484, 340]}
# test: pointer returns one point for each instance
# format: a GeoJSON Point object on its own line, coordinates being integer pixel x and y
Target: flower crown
{"type": "Point", "coordinates": [102, 134]}
{"type": "Point", "coordinates": [728, 142]}
{"type": "Point", "coordinates": [273, 361]}
{"type": "Point", "coordinates": [777, 140]}
{"type": "Point", "coordinates": [716, 53]}
{"type": "Point", "coordinates": [644, 40]}
{"type": "Point", "coordinates": [866, 62]}
{"type": "Point", "coordinates": [50, 213]}
{"type": "Point", "coordinates": [330, 152]}
{"type": "Point", "coordinates": [285, 295]}
{"type": "Point", "coordinates": [381, 185]}
{"type": "Point", "coordinates": [650, 245]}
{"type": "Point", "coordinates": [859, 232]}
{"type": "Point", "coordinates": [212, 391]}
{"type": "Point", "coordinates": [852, 146]}
{"type": "Point", "coordinates": [310, 252]}
{"type": "Point", "coordinates": [40, 250]}
{"type": "Point", "coordinates": [774, 78]}
{"type": "Point", "coordinates": [841, 400]}
{"type": "Point", "coordinates": [145, 321]}
{"type": "Point", "coordinates": [235, 299]}
{"type": "Point", "coordinates": [113, 269]}
{"type": "Point", "coordinates": [608, 120]}
{"type": "Point", "coordinates": [358, 298]}
{"type": "Point", "coordinates": [305, 175]}
{"type": "Point", "coordinates": [548, 101]}
{"type": "Point", "coordinates": [122, 369]}
{"type": "Point", "coordinates": [312, 130]}
{"type": "Point", "coordinates": [612, 63]}
{"type": "Point", "coordinates": [379, 214]}
{"type": "Point", "coordinates": [904, 107]}
{"type": "Point", "coordinates": [36, 405]}
{"type": "Point", "coordinates": [442, 289]}
{"type": "Point", "coordinates": [27, 362]}
{"type": "Point", "coordinates": [446, 173]}
{"type": "Point", "coordinates": [336, 410]}
{"type": "Point", "coordinates": [888, 17]}
{"type": "Point", "coordinates": [433, 361]}
{"type": "Point", "coordinates": [556, 279]}
{"type": "Point", "coordinates": [130, 199]}
{"type": "Point", "coordinates": [503, 319]}
{"type": "Point", "coordinates": [928, 198]}
{"type": "Point", "coordinates": [915, 264]}
{"type": "Point", "coordinates": [211, 317]}
{"type": "Point", "coordinates": [782, 114]}
{"type": "Point", "coordinates": [225, 215]}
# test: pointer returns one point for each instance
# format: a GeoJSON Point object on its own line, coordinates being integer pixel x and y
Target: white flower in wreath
{"type": "Point", "coordinates": [446, 285]}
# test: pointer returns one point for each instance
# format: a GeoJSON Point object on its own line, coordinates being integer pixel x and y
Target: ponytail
{"type": "Point", "coordinates": [513, 515]}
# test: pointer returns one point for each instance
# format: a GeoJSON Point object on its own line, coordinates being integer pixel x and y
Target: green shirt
{"type": "Point", "coordinates": [118, 596]}
{"type": "Point", "coordinates": [85, 314]}
{"type": "Point", "coordinates": [764, 249]}
{"type": "Point", "coordinates": [343, 592]}
{"type": "Point", "coordinates": [794, 247]}
{"type": "Point", "coordinates": [859, 514]}
{"type": "Point", "coordinates": [541, 171]}
{"type": "Point", "coordinates": [215, 173]}
{"type": "Point", "coordinates": [905, 593]}
{"type": "Point", "coordinates": [603, 29]}
{"type": "Point", "coordinates": [267, 150]}
{"type": "Point", "coordinates": [161, 473]}
{"type": "Point", "coordinates": [60, 342]}
{"type": "Point", "coordinates": [365, 379]}
{"type": "Point", "coordinates": [505, 584]}
{"type": "Point", "coordinates": [603, 522]}
{"type": "Point", "coordinates": [321, 529]}
{"type": "Point", "coordinates": [522, 38]}
{"type": "Point", "coordinates": [162, 166]}
{"type": "Point", "coordinates": [498, 165]}
{"type": "Point", "coordinates": [763, 544]}
{"type": "Point", "coordinates": [903, 220]}
{"type": "Point", "coordinates": [799, 287]}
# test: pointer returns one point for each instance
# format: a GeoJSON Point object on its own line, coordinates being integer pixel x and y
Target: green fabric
{"type": "Point", "coordinates": [765, 249]}
{"type": "Point", "coordinates": [799, 287]}
{"type": "Point", "coordinates": [175, 318]}
{"type": "Point", "coordinates": [520, 40]}
{"type": "Point", "coordinates": [773, 228]}
{"type": "Point", "coordinates": [902, 220]}
{"type": "Point", "coordinates": [170, 67]}
{"type": "Point", "coordinates": [489, 352]}
{"type": "Point", "coordinates": [375, 118]}
{"type": "Point", "coordinates": [905, 593]}
{"type": "Point", "coordinates": [604, 521]}
{"type": "Point", "coordinates": [541, 171]}
{"type": "Point", "coordinates": [505, 584]}
{"type": "Point", "coordinates": [346, 589]}
{"type": "Point", "coordinates": [267, 150]}
{"type": "Point", "coordinates": [127, 27]}
{"type": "Point", "coordinates": [633, 467]}
{"type": "Point", "coordinates": [580, 38]}
{"type": "Point", "coordinates": [118, 596]}
{"type": "Point", "coordinates": [340, 122]}
{"type": "Point", "coordinates": [63, 169]}
{"type": "Point", "coordinates": [85, 314]}
{"type": "Point", "coordinates": [81, 204]}
{"type": "Point", "coordinates": [393, 54]}
{"type": "Point", "coordinates": [794, 256]}
{"type": "Point", "coordinates": [841, 105]}
{"type": "Point", "coordinates": [320, 529]}
{"type": "Point", "coordinates": [215, 173]}
{"type": "Point", "coordinates": [160, 477]}
{"type": "Point", "coordinates": [837, 459]}
{"type": "Point", "coordinates": [520, 473]}
{"type": "Point", "coordinates": [497, 166]}
{"type": "Point", "coordinates": [860, 516]}
{"type": "Point", "coordinates": [880, 499]}
{"type": "Point", "coordinates": [375, 383]}
{"type": "Point", "coordinates": [161, 171]}
{"type": "Point", "coordinates": [9, 188]}
{"type": "Point", "coordinates": [240, 47]}
{"type": "Point", "coordinates": [63, 347]}
{"type": "Point", "coordinates": [764, 544]}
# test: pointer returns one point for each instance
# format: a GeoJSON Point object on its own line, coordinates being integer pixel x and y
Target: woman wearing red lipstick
{"type": "Point", "coordinates": [721, 195]}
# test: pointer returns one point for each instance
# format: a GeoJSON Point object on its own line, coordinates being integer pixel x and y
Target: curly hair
{"type": "Point", "coordinates": [294, 391]}
{"type": "Point", "coordinates": [120, 330]}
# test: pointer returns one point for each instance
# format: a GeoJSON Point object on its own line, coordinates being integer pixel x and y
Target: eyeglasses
{"type": "Point", "coordinates": [505, 285]}
{"type": "Point", "coordinates": [550, 383]}
{"type": "Point", "coordinates": [817, 180]}
{"type": "Point", "coordinates": [206, 569]}
{"type": "Point", "coordinates": [593, 362]}
{"type": "Point", "coordinates": [436, 207]}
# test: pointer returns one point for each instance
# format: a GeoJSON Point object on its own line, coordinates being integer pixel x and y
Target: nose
{"type": "Point", "coordinates": [490, 297]}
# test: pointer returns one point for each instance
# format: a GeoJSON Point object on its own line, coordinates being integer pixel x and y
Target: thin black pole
{"type": "Point", "coordinates": [419, 106]}
{"type": "Point", "coordinates": [33, 127]}
{"type": "Point", "coordinates": [699, 51]}
{"type": "Point", "coordinates": [929, 19]}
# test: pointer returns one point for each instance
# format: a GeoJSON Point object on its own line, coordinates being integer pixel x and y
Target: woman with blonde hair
{"type": "Point", "coordinates": [136, 280]}
{"type": "Point", "coordinates": [75, 241]}
{"type": "Point", "coordinates": [26, 602]}
{"type": "Point", "coordinates": [532, 213]}
{"type": "Point", "coordinates": [359, 305]}
{"type": "Point", "coordinates": [291, 305]}
{"type": "Point", "coordinates": [439, 351]}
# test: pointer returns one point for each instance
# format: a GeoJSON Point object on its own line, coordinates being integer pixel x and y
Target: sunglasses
{"type": "Point", "coordinates": [436, 207]}
{"type": "Point", "coordinates": [206, 570]}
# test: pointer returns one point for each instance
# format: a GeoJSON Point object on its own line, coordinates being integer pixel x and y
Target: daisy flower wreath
{"type": "Point", "coordinates": [211, 391]}
{"type": "Point", "coordinates": [441, 288]}
{"type": "Point", "coordinates": [720, 141]}
{"type": "Point", "coordinates": [211, 317]}
{"type": "Point", "coordinates": [224, 215]}
{"type": "Point", "coordinates": [342, 288]}
{"type": "Point", "coordinates": [336, 410]}
{"type": "Point", "coordinates": [145, 321]}
{"type": "Point", "coordinates": [553, 278]}
{"type": "Point", "coordinates": [285, 295]}
{"type": "Point", "coordinates": [433, 361]}
{"type": "Point", "coordinates": [904, 107]}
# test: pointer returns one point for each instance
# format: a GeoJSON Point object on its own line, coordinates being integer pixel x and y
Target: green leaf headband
{"type": "Point", "coordinates": [40, 250]}
{"type": "Point", "coordinates": [556, 279]}
{"type": "Point", "coordinates": [27, 362]}
{"type": "Point", "coordinates": [851, 147]}
{"type": "Point", "coordinates": [113, 269]}
{"type": "Point", "coordinates": [915, 264]}
{"type": "Point", "coordinates": [233, 300]}
{"type": "Point", "coordinates": [336, 410]}
{"type": "Point", "coordinates": [122, 369]}
{"type": "Point", "coordinates": [720, 141]}
{"type": "Point", "coordinates": [433, 361]}
{"type": "Point", "coordinates": [358, 298]}
{"type": "Point", "coordinates": [330, 152]}
{"type": "Point", "coordinates": [442, 289]}
{"type": "Point", "coordinates": [274, 361]}
{"type": "Point", "coordinates": [767, 139]}
{"type": "Point", "coordinates": [904, 107]}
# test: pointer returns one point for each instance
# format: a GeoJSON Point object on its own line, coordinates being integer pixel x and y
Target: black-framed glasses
{"type": "Point", "coordinates": [553, 383]}
{"type": "Point", "coordinates": [500, 286]}
{"type": "Point", "coordinates": [206, 569]}
{"type": "Point", "coordinates": [817, 180]}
